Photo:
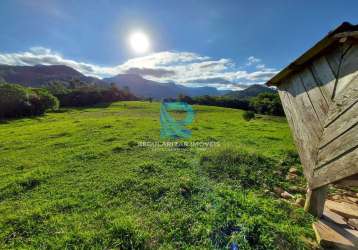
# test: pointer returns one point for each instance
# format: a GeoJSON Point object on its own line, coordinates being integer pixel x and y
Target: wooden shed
{"type": "Point", "coordinates": [319, 94]}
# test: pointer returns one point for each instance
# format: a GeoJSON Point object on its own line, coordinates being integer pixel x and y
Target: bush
{"type": "Point", "coordinates": [18, 101]}
{"type": "Point", "coordinates": [267, 104]}
{"type": "Point", "coordinates": [248, 115]}
{"type": "Point", "coordinates": [45, 101]}
{"type": "Point", "coordinates": [80, 97]}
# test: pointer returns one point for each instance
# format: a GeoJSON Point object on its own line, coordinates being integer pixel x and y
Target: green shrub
{"type": "Point", "coordinates": [291, 158]}
{"type": "Point", "coordinates": [248, 115]}
{"type": "Point", "coordinates": [46, 100]}
{"type": "Point", "coordinates": [267, 104]}
{"type": "Point", "coordinates": [18, 101]}
{"type": "Point", "coordinates": [14, 100]}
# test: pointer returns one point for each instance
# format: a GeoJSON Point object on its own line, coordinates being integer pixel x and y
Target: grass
{"type": "Point", "coordinates": [80, 179]}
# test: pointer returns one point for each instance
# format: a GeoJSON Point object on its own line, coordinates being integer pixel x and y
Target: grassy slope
{"type": "Point", "coordinates": [77, 180]}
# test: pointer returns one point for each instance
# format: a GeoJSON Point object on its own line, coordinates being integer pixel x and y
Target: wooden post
{"type": "Point", "coordinates": [315, 200]}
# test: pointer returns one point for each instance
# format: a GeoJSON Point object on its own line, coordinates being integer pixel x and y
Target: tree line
{"type": "Point", "coordinates": [264, 103]}
{"type": "Point", "coordinates": [79, 94]}
{"type": "Point", "coordinates": [20, 101]}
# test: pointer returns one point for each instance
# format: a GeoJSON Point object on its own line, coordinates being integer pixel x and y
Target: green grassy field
{"type": "Point", "coordinates": [78, 179]}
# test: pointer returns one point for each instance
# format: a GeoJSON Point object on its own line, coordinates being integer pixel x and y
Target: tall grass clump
{"type": "Point", "coordinates": [248, 115]}
{"type": "Point", "coordinates": [237, 166]}
{"type": "Point", "coordinates": [125, 234]}
{"type": "Point", "coordinates": [254, 222]}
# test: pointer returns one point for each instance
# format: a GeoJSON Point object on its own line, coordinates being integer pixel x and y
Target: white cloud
{"type": "Point", "coordinates": [40, 55]}
{"type": "Point", "coordinates": [260, 66]}
{"type": "Point", "coordinates": [252, 60]}
{"type": "Point", "coordinates": [185, 68]}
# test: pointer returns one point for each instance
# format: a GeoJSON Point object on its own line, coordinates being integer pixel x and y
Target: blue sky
{"type": "Point", "coordinates": [217, 43]}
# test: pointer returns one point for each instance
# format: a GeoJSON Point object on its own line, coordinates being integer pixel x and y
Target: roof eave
{"type": "Point", "coordinates": [343, 31]}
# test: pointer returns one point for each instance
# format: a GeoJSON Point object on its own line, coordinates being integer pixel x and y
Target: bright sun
{"type": "Point", "coordinates": [139, 42]}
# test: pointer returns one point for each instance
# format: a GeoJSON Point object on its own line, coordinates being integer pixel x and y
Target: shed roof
{"type": "Point", "coordinates": [344, 30]}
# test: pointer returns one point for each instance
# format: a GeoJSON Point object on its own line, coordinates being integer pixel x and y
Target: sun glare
{"type": "Point", "coordinates": [139, 42]}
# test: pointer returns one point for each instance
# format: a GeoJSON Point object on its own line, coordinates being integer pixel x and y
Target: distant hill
{"type": "Point", "coordinates": [43, 75]}
{"type": "Point", "coordinates": [147, 88]}
{"type": "Point", "coordinates": [249, 92]}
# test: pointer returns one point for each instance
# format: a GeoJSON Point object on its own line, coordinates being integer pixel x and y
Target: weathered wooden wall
{"type": "Point", "coordinates": [321, 105]}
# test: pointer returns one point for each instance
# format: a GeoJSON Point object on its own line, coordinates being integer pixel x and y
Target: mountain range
{"type": "Point", "coordinates": [251, 91]}
{"type": "Point", "coordinates": [157, 90]}
{"type": "Point", "coordinates": [44, 75]}
{"type": "Point", "coordinates": [41, 75]}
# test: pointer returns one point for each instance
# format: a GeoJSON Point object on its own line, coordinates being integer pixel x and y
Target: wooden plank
{"type": "Point", "coordinates": [345, 82]}
{"type": "Point", "coordinates": [343, 61]}
{"type": "Point", "coordinates": [344, 122]}
{"type": "Point", "coordinates": [343, 167]}
{"type": "Point", "coordinates": [330, 216]}
{"type": "Point", "coordinates": [324, 76]}
{"type": "Point", "coordinates": [347, 34]}
{"type": "Point", "coordinates": [308, 129]}
{"type": "Point", "coordinates": [347, 141]}
{"type": "Point", "coordinates": [303, 121]}
{"type": "Point", "coordinates": [295, 128]}
{"type": "Point", "coordinates": [315, 200]}
{"type": "Point", "coordinates": [345, 101]}
{"type": "Point", "coordinates": [353, 223]}
{"type": "Point", "coordinates": [349, 68]}
{"type": "Point", "coordinates": [347, 210]}
{"type": "Point", "coordinates": [315, 95]}
{"type": "Point", "coordinates": [303, 106]}
{"type": "Point", "coordinates": [333, 58]}
{"type": "Point", "coordinates": [332, 236]}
